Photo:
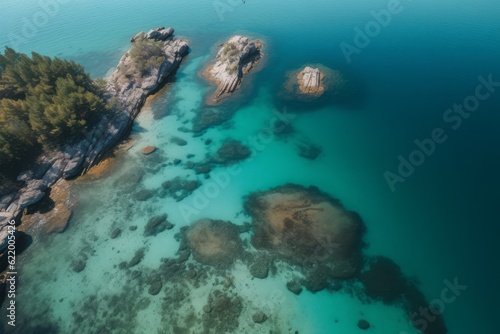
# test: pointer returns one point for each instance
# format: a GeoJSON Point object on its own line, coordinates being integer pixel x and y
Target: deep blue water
{"type": "Point", "coordinates": [443, 221]}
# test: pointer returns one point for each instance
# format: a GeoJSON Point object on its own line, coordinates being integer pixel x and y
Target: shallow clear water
{"type": "Point", "coordinates": [439, 224]}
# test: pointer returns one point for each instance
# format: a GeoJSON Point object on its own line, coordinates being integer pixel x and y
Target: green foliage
{"type": "Point", "coordinates": [232, 69]}
{"type": "Point", "coordinates": [146, 53]}
{"type": "Point", "coordinates": [229, 47]}
{"type": "Point", "coordinates": [229, 53]}
{"type": "Point", "coordinates": [44, 102]}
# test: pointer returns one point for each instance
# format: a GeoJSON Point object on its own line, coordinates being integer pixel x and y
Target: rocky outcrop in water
{"type": "Point", "coordinates": [148, 150]}
{"type": "Point", "coordinates": [308, 228]}
{"type": "Point", "coordinates": [214, 242]}
{"type": "Point", "coordinates": [312, 82]}
{"type": "Point", "coordinates": [259, 266]}
{"type": "Point", "coordinates": [363, 324]}
{"type": "Point", "coordinates": [52, 213]}
{"type": "Point", "coordinates": [179, 188]}
{"type": "Point", "coordinates": [383, 280]}
{"type": "Point", "coordinates": [232, 151]}
{"type": "Point", "coordinates": [153, 57]}
{"type": "Point", "coordinates": [222, 312]}
{"type": "Point", "coordinates": [235, 59]}
{"type": "Point", "coordinates": [157, 225]}
{"type": "Point", "coordinates": [308, 150]}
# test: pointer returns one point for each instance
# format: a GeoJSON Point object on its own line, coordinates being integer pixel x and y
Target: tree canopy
{"type": "Point", "coordinates": [44, 102]}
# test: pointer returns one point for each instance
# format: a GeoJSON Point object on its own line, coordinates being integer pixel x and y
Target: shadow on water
{"type": "Point", "coordinates": [23, 241]}
{"type": "Point", "coordinates": [46, 205]}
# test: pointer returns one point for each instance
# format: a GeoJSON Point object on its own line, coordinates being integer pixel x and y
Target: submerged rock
{"type": "Point", "coordinates": [307, 227]}
{"type": "Point", "coordinates": [180, 188]}
{"type": "Point", "coordinates": [317, 280]}
{"type": "Point", "coordinates": [138, 256]}
{"type": "Point", "coordinates": [143, 195]}
{"type": "Point", "coordinates": [384, 281]}
{"type": "Point", "coordinates": [130, 179]}
{"type": "Point", "coordinates": [78, 265]}
{"type": "Point", "coordinates": [178, 141]}
{"type": "Point", "coordinates": [148, 150]}
{"type": "Point", "coordinates": [157, 225]}
{"type": "Point", "coordinates": [259, 268]}
{"type": "Point", "coordinates": [155, 287]}
{"type": "Point", "coordinates": [309, 151]}
{"type": "Point", "coordinates": [222, 312]}
{"type": "Point", "coordinates": [115, 233]}
{"type": "Point", "coordinates": [209, 117]}
{"type": "Point", "coordinates": [203, 168]}
{"type": "Point", "coordinates": [214, 242]}
{"type": "Point", "coordinates": [259, 317]}
{"type": "Point", "coordinates": [183, 256]}
{"type": "Point", "coordinates": [363, 324]}
{"type": "Point", "coordinates": [235, 59]}
{"type": "Point", "coordinates": [232, 151]}
{"type": "Point", "coordinates": [294, 286]}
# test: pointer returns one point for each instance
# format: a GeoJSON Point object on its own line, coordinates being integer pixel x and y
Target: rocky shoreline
{"type": "Point", "coordinates": [235, 59]}
{"type": "Point", "coordinates": [294, 230]}
{"type": "Point", "coordinates": [127, 89]}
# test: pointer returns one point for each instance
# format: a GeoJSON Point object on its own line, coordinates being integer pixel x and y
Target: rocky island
{"type": "Point", "coordinates": [235, 59]}
{"type": "Point", "coordinates": [312, 82]}
{"type": "Point", "coordinates": [153, 57]}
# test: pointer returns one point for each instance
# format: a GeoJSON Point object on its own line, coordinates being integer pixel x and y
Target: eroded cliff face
{"type": "Point", "coordinates": [153, 57]}
{"type": "Point", "coordinates": [235, 59]}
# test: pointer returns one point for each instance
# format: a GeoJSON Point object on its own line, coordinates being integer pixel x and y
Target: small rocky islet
{"type": "Point", "coordinates": [313, 82]}
{"type": "Point", "coordinates": [235, 59]}
{"type": "Point", "coordinates": [295, 230]}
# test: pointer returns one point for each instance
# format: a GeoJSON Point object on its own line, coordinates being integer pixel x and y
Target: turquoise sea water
{"type": "Point", "coordinates": [440, 224]}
